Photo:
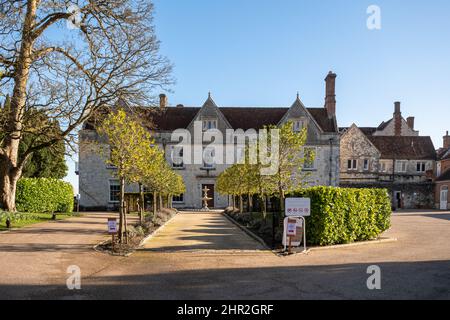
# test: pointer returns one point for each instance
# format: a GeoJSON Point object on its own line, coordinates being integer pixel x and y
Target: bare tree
{"type": "Point", "coordinates": [68, 59]}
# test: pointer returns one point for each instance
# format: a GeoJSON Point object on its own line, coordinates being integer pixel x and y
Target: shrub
{"type": "Point", "coordinates": [341, 215]}
{"type": "Point", "coordinates": [44, 195]}
{"type": "Point", "coordinates": [16, 217]}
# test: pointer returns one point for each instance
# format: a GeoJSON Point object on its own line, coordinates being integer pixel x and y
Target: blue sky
{"type": "Point", "coordinates": [261, 52]}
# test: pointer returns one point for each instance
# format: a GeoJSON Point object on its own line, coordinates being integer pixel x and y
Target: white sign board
{"type": "Point", "coordinates": [298, 207]}
{"type": "Point", "coordinates": [112, 226]}
{"type": "Point", "coordinates": [290, 227]}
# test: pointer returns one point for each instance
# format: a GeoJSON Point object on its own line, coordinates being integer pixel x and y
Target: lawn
{"type": "Point", "coordinates": [20, 220]}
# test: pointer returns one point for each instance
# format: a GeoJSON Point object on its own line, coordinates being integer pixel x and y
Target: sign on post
{"type": "Point", "coordinates": [291, 230]}
{"type": "Point", "coordinates": [297, 235]}
{"type": "Point", "coordinates": [298, 207]}
{"type": "Point", "coordinates": [112, 230]}
{"type": "Point", "coordinates": [112, 225]}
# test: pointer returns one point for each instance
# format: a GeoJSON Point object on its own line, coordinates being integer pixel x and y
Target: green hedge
{"type": "Point", "coordinates": [342, 215]}
{"type": "Point", "coordinates": [44, 195]}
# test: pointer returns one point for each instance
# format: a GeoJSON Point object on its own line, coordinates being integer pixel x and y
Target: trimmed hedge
{"type": "Point", "coordinates": [44, 195]}
{"type": "Point", "coordinates": [344, 215]}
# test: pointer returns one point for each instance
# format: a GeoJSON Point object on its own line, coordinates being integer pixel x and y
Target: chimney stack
{"type": "Point", "coordinates": [162, 101]}
{"type": "Point", "coordinates": [398, 119]}
{"type": "Point", "coordinates": [447, 141]}
{"type": "Point", "coordinates": [330, 98]}
{"type": "Point", "coordinates": [411, 121]}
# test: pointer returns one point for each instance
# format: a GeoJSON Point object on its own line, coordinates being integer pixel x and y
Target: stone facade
{"type": "Point", "coordinates": [391, 156]}
{"type": "Point", "coordinates": [97, 182]}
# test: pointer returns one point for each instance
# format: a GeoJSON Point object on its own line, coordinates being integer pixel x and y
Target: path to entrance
{"type": "Point", "coordinates": [201, 232]}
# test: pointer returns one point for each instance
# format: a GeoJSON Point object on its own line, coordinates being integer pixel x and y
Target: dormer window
{"type": "Point", "coordinates": [209, 155]}
{"type": "Point", "coordinates": [177, 157]}
{"type": "Point", "coordinates": [209, 124]}
{"type": "Point", "coordinates": [299, 124]}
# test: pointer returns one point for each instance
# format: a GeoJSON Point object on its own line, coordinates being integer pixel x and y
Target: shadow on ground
{"type": "Point", "coordinates": [214, 233]}
{"type": "Point", "coordinates": [402, 280]}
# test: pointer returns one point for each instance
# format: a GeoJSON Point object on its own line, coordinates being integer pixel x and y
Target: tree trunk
{"type": "Point", "coordinates": [122, 210]}
{"type": "Point", "coordinates": [161, 206]}
{"type": "Point", "coordinates": [8, 183]}
{"type": "Point", "coordinates": [155, 208]}
{"type": "Point", "coordinates": [250, 203]}
{"type": "Point", "coordinates": [281, 192]}
{"type": "Point", "coordinates": [142, 204]}
{"type": "Point", "coordinates": [11, 170]}
{"type": "Point", "coordinates": [241, 204]}
{"type": "Point", "coordinates": [264, 206]}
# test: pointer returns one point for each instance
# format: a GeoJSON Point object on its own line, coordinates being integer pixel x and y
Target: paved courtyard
{"type": "Point", "coordinates": [204, 256]}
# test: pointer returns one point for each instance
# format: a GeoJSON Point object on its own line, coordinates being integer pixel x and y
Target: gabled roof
{"type": "Point", "coordinates": [239, 117]}
{"type": "Point", "coordinates": [368, 131]}
{"type": "Point", "coordinates": [180, 117]}
{"type": "Point", "coordinates": [408, 148]}
{"type": "Point", "coordinates": [443, 154]}
{"type": "Point", "coordinates": [171, 119]}
{"type": "Point", "coordinates": [253, 118]}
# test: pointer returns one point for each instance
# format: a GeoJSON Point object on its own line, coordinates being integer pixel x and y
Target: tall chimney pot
{"type": "Point", "coordinates": [411, 121]}
{"type": "Point", "coordinates": [162, 101]}
{"type": "Point", "coordinates": [398, 119]}
{"type": "Point", "coordinates": [330, 98]}
{"type": "Point", "coordinates": [447, 141]}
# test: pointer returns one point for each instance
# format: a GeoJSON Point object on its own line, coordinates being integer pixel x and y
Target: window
{"type": "Point", "coordinates": [114, 191]}
{"type": "Point", "coordinates": [421, 166]}
{"type": "Point", "coordinates": [352, 164]}
{"type": "Point", "coordinates": [402, 166]}
{"type": "Point", "coordinates": [310, 158]}
{"type": "Point", "coordinates": [209, 155]}
{"type": "Point", "coordinates": [366, 164]}
{"type": "Point", "coordinates": [298, 125]}
{"type": "Point", "coordinates": [383, 167]}
{"type": "Point", "coordinates": [177, 154]}
{"type": "Point", "coordinates": [178, 199]}
{"type": "Point", "coordinates": [209, 124]}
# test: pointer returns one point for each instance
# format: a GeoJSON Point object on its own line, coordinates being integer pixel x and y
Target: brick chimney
{"type": "Point", "coordinates": [447, 141]}
{"type": "Point", "coordinates": [398, 119]}
{"type": "Point", "coordinates": [330, 98]}
{"type": "Point", "coordinates": [411, 121]}
{"type": "Point", "coordinates": [162, 101]}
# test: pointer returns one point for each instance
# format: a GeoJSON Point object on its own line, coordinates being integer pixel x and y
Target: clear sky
{"type": "Point", "coordinates": [262, 52]}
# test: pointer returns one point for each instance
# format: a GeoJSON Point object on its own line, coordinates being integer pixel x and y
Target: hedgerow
{"type": "Point", "coordinates": [44, 195]}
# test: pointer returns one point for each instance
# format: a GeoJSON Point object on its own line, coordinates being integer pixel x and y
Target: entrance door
{"type": "Point", "coordinates": [444, 198]}
{"type": "Point", "coordinates": [210, 194]}
{"type": "Point", "coordinates": [398, 199]}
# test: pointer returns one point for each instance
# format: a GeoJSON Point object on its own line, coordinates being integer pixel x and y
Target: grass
{"type": "Point", "coordinates": [32, 218]}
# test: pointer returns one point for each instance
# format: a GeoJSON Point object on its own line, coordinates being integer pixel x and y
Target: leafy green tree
{"type": "Point", "coordinates": [129, 144]}
{"type": "Point", "coordinates": [247, 179]}
{"type": "Point", "coordinates": [46, 162]}
{"type": "Point", "coordinates": [291, 160]}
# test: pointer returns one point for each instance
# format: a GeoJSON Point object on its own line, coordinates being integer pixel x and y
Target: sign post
{"type": "Point", "coordinates": [112, 229]}
{"type": "Point", "coordinates": [295, 224]}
